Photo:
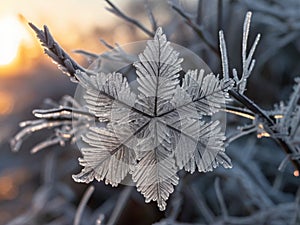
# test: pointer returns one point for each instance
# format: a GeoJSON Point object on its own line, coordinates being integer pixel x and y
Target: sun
{"type": "Point", "coordinates": [12, 33]}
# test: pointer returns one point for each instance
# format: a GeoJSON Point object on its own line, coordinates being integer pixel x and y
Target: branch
{"type": "Point", "coordinates": [198, 29]}
{"type": "Point", "coordinates": [221, 198]}
{"type": "Point", "coordinates": [65, 63]}
{"type": "Point", "coordinates": [82, 204]}
{"type": "Point", "coordinates": [120, 205]}
{"type": "Point", "coordinates": [151, 16]}
{"type": "Point", "coordinates": [115, 10]}
{"type": "Point", "coordinates": [270, 124]}
{"type": "Point", "coordinates": [65, 121]}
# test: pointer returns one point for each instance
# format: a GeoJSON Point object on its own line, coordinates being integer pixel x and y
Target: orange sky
{"type": "Point", "coordinates": [72, 23]}
{"type": "Point", "coordinates": [60, 14]}
{"type": "Point", "coordinates": [66, 18]}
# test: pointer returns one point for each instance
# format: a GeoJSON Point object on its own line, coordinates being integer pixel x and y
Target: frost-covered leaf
{"type": "Point", "coordinates": [166, 126]}
{"type": "Point", "coordinates": [155, 175]}
{"type": "Point", "coordinates": [158, 71]}
{"type": "Point", "coordinates": [199, 145]}
{"type": "Point", "coordinates": [102, 90]}
{"type": "Point", "coordinates": [104, 158]}
{"type": "Point", "coordinates": [206, 91]}
{"type": "Point", "coordinates": [151, 132]}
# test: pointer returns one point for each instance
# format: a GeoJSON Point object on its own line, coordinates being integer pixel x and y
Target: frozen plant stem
{"type": "Point", "coordinates": [52, 49]}
{"type": "Point", "coordinates": [82, 204]}
{"type": "Point", "coordinates": [269, 122]}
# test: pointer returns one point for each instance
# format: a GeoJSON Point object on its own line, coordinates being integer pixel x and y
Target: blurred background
{"type": "Point", "coordinates": [27, 77]}
{"type": "Point", "coordinates": [38, 189]}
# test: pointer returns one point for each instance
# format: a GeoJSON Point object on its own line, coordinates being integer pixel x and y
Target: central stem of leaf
{"type": "Point", "coordinates": [157, 80]}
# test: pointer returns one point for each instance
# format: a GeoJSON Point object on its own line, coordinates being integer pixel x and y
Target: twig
{"type": "Point", "coordinates": [115, 10]}
{"type": "Point", "coordinates": [239, 112]}
{"type": "Point", "coordinates": [279, 212]}
{"type": "Point", "coordinates": [199, 30]}
{"type": "Point", "coordinates": [82, 204]}
{"type": "Point", "coordinates": [105, 44]}
{"type": "Point", "coordinates": [65, 63]}
{"type": "Point", "coordinates": [269, 122]}
{"type": "Point", "coordinates": [48, 175]}
{"type": "Point", "coordinates": [247, 61]}
{"type": "Point", "coordinates": [224, 56]}
{"type": "Point", "coordinates": [296, 219]}
{"type": "Point", "coordinates": [117, 53]}
{"type": "Point", "coordinates": [87, 54]}
{"type": "Point", "coordinates": [220, 198]}
{"type": "Point", "coordinates": [151, 16]}
{"type": "Point", "coordinates": [239, 135]}
{"type": "Point", "coordinates": [201, 204]}
{"type": "Point", "coordinates": [62, 113]}
{"type": "Point", "coordinates": [47, 143]}
{"type": "Point", "coordinates": [220, 14]}
{"type": "Point", "coordinates": [248, 64]}
{"type": "Point", "coordinates": [199, 12]}
{"type": "Point", "coordinates": [120, 204]}
{"type": "Point", "coordinates": [176, 202]}
{"type": "Point", "coordinates": [250, 105]}
{"type": "Point", "coordinates": [64, 119]}
{"type": "Point", "coordinates": [16, 142]}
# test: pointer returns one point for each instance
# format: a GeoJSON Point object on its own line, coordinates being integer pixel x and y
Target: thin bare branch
{"type": "Point", "coordinates": [198, 29]}
{"type": "Point", "coordinates": [220, 198]}
{"type": "Point", "coordinates": [151, 16]}
{"type": "Point", "coordinates": [120, 205]}
{"type": "Point", "coordinates": [115, 10]}
{"type": "Point", "coordinates": [201, 204]}
{"type": "Point", "coordinates": [82, 204]}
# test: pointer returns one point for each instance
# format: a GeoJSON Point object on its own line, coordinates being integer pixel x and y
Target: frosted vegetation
{"type": "Point", "coordinates": [169, 126]}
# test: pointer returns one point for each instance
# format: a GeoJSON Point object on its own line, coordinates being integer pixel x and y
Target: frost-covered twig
{"type": "Point", "coordinates": [68, 122]}
{"type": "Point", "coordinates": [247, 60]}
{"type": "Point", "coordinates": [269, 125]}
{"type": "Point", "coordinates": [117, 53]}
{"type": "Point", "coordinates": [65, 63]}
{"type": "Point", "coordinates": [89, 55]}
{"type": "Point", "coordinates": [264, 120]}
{"type": "Point", "coordinates": [34, 126]}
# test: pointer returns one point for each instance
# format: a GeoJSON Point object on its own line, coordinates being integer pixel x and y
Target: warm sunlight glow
{"type": "Point", "coordinates": [12, 33]}
{"type": "Point", "coordinates": [6, 103]}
